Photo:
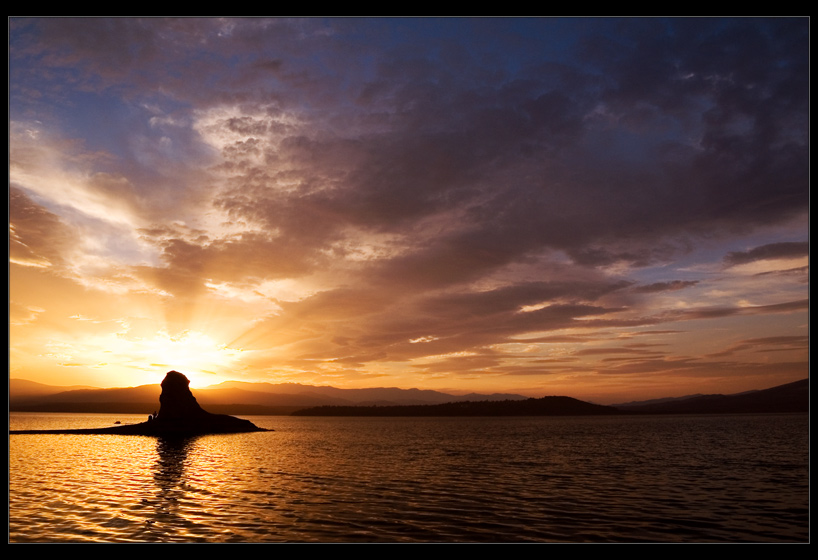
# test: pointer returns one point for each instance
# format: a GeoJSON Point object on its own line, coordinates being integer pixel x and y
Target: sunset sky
{"type": "Point", "coordinates": [609, 209]}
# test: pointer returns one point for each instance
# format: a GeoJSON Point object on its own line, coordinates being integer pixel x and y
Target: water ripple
{"type": "Point", "coordinates": [691, 479]}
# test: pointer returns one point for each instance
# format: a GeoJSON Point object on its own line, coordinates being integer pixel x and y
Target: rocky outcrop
{"type": "Point", "coordinates": [179, 415]}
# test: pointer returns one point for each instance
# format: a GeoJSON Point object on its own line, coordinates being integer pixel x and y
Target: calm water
{"type": "Point", "coordinates": [729, 478]}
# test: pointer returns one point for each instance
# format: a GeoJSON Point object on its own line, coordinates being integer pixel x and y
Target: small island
{"type": "Point", "coordinates": [179, 415]}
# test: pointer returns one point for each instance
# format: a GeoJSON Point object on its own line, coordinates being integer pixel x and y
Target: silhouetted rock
{"type": "Point", "coordinates": [176, 401]}
{"type": "Point", "coordinates": [179, 415]}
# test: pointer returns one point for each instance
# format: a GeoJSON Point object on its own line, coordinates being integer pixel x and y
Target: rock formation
{"type": "Point", "coordinates": [179, 415]}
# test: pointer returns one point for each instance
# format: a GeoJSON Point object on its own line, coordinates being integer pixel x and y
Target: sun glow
{"type": "Point", "coordinates": [191, 352]}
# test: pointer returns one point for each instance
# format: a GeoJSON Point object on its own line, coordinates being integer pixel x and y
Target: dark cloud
{"type": "Point", "coordinates": [671, 286]}
{"type": "Point", "coordinates": [767, 344]}
{"type": "Point", "coordinates": [715, 312]}
{"type": "Point", "coordinates": [37, 237]}
{"type": "Point", "coordinates": [787, 250]}
{"type": "Point", "coordinates": [524, 161]}
{"type": "Point", "coordinates": [663, 126]}
{"type": "Point", "coordinates": [800, 274]}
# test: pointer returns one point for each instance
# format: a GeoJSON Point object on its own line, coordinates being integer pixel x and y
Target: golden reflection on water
{"type": "Point", "coordinates": [168, 472]}
{"type": "Point", "coordinates": [419, 480]}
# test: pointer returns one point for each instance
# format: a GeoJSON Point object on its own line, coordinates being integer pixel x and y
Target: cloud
{"type": "Point", "coordinates": [767, 344]}
{"type": "Point", "coordinates": [714, 312]}
{"type": "Point", "coordinates": [785, 250]}
{"type": "Point", "coordinates": [520, 156]}
{"type": "Point", "coordinates": [671, 286]}
{"type": "Point", "coordinates": [353, 187]}
{"type": "Point", "coordinates": [37, 237]}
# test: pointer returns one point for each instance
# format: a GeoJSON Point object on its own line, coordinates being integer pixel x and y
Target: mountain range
{"type": "Point", "coordinates": [230, 397]}
{"type": "Point", "coordinates": [242, 398]}
{"type": "Point", "coordinates": [791, 397]}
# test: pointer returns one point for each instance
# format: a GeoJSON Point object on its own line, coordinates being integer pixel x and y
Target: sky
{"type": "Point", "coordinates": [611, 209]}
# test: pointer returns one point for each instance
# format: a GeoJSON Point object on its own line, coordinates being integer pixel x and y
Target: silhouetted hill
{"type": "Point", "coordinates": [23, 388]}
{"type": "Point", "coordinates": [545, 406]}
{"type": "Point", "coordinates": [368, 396]}
{"type": "Point", "coordinates": [234, 397]}
{"type": "Point", "coordinates": [792, 397]}
{"type": "Point", "coordinates": [130, 400]}
{"type": "Point", "coordinates": [231, 397]}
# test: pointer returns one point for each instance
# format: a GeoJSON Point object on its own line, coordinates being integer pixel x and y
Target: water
{"type": "Point", "coordinates": [728, 478]}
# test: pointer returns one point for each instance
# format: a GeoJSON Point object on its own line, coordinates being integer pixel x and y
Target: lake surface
{"type": "Point", "coordinates": [725, 478]}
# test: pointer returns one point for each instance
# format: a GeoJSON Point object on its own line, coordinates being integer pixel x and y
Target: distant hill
{"type": "Point", "coordinates": [240, 398]}
{"type": "Point", "coordinates": [545, 406]}
{"type": "Point", "coordinates": [23, 388]}
{"type": "Point", "coordinates": [792, 397]}
{"type": "Point", "coordinates": [231, 397]}
{"type": "Point", "coordinates": [26, 396]}
{"type": "Point", "coordinates": [370, 396]}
